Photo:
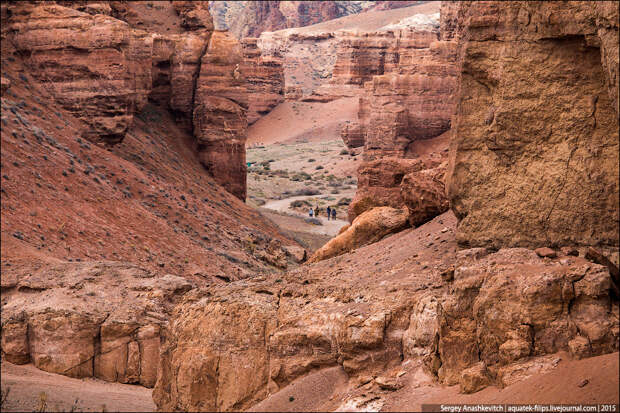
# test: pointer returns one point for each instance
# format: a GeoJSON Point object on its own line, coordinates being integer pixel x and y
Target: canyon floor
{"type": "Point", "coordinates": [298, 161]}
{"type": "Point", "coordinates": [573, 381]}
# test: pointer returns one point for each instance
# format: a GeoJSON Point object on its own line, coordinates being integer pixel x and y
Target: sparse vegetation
{"type": "Point", "coordinates": [344, 201]}
{"type": "Point", "coordinates": [300, 203]}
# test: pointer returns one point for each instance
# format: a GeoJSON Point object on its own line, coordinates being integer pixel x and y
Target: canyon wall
{"type": "Point", "coordinates": [409, 79]}
{"type": "Point", "coordinates": [472, 317]}
{"type": "Point", "coordinates": [104, 62]}
{"type": "Point", "coordinates": [534, 118]}
{"type": "Point", "coordinates": [92, 233]}
{"type": "Point", "coordinates": [264, 76]}
{"type": "Point", "coordinates": [220, 113]}
{"type": "Point", "coordinates": [97, 67]}
{"type": "Point", "coordinates": [534, 160]}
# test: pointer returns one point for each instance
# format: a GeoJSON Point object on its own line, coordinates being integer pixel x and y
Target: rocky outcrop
{"type": "Point", "coordinates": [264, 75]}
{"type": "Point", "coordinates": [229, 348]}
{"type": "Point", "coordinates": [97, 67]}
{"type": "Point", "coordinates": [409, 79]}
{"type": "Point", "coordinates": [536, 137]}
{"type": "Point", "coordinates": [112, 334]}
{"type": "Point", "coordinates": [510, 305]}
{"type": "Point", "coordinates": [381, 181]}
{"type": "Point", "coordinates": [250, 19]}
{"type": "Point", "coordinates": [220, 108]}
{"type": "Point", "coordinates": [108, 71]}
{"type": "Point", "coordinates": [352, 135]}
{"type": "Point", "coordinates": [308, 59]}
{"type": "Point", "coordinates": [473, 318]}
{"type": "Point", "coordinates": [367, 228]}
{"type": "Point", "coordinates": [362, 55]}
{"type": "Point", "coordinates": [424, 194]}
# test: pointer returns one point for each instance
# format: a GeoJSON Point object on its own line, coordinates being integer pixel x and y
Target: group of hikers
{"type": "Point", "coordinates": [314, 212]}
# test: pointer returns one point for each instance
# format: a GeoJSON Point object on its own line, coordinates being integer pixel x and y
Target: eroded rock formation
{"type": "Point", "coordinates": [522, 306]}
{"type": "Point", "coordinates": [220, 108]}
{"type": "Point", "coordinates": [106, 73]}
{"type": "Point", "coordinates": [264, 76]}
{"type": "Point", "coordinates": [365, 229]}
{"type": "Point", "coordinates": [113, 334]}
{"type": "Point", "coordinates": [251, 18]}
{"type": "Point", "coordinates": [91, 233]}
{"type": "Point", "coordinates": [472, 317]}
{"type": "Point", "coordinates": [97, 67]}
{"type": "Point", "coordinates": [536, 127]}
{"type": "Point", "coordinates": [406, 106]}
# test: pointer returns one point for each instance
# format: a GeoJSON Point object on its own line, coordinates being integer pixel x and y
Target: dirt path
{"type": "Point", "coordinates": [329, 227]}
{"type": "Point", "coordinates": [27, 384]}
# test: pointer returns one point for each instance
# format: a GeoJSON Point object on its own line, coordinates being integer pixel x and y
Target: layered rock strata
{"type": "Point", "coordinates": [220, 109]}
{"type": "Point", "coordinates": [536, 127]}
{"type": "Point", "coordinates": [108, 71]}
{"type": "Point", "coordinates": [264, 75]}
{"type": "Point", "coordinates": [97, 67]}
{"type": "Point", "coordinates": [250, 19]}
{"type": "Point", "coordinates": [114, 332]}
{"type": "Point", "coordinates": [409, 79]}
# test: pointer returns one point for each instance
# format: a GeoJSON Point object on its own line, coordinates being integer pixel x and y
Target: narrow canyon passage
{"type": "Point", "coordinates": [167, 171]}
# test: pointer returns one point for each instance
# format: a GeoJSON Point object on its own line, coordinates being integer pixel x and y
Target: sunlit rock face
{"type": "Point", "coordinates": [534, 161]}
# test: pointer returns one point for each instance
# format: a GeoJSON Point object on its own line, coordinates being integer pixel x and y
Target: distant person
{"type": "Point", "coordinates": [333, 214]}
{"type": "Point", "coordinates": [329, 211]}
{"type": "Point", "coordinates": [316, 211]}
{"type": "Point", "coordinates": [311, 212]}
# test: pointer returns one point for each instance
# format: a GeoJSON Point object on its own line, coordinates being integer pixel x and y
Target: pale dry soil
{"type": "Point", "coordinates": [284, 170]}
{"type": "Point", "coordinates": [27, 384]}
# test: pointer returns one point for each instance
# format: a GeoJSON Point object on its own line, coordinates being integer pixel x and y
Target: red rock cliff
{"type": "Point", "coordinates": [264, 76]}
{"type": "Point", "coordinates": [97, 67]}
{"type": "Point", "coordinates": [220, 110]}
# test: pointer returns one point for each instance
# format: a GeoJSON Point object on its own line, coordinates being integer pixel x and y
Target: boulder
{"type": "Point", "coordinates": [367, 228]}
{"type": "Point", "coordinates": [424, 194]}
{"type": "Point", "coordinates": [474, 379]}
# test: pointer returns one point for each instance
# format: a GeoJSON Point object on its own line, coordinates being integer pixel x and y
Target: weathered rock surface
{"type": "Point", "coordinates": [250, 19]}
{"type": "Point", "coordinates": [97, 67]}
{"type": "Point", "coordinates": [367, 228]}
{"type": "Point", "coordinates": [352, 135]}
{"type": "Point", "coordinates": [220, 108]}
{"type": "Point", "coordinates": [350, 310]}
{"type": "Point", "coordinates": [409, 79]}
{"type": "Point", "coordinates": [536, 136]}
{"type": "Point", "coordinates": [264, 75]}
{"type": "Point", "coordinates": [95, 319]}
{"type": "Point", "coordinates": [381, 180]}
{"type": "Point", "coordinates": [424, 194]}
{"type": "Point", "coordinates": [497, 322]}
{"type": "Point", "coordinates": [512, 304]}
